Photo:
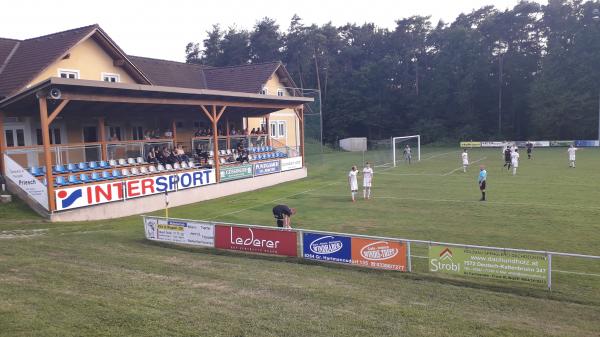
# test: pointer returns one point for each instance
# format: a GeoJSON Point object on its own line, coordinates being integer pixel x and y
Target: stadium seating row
{"type": "Point", "coordinates": [83, 178]}
{"type": "Point", "coordinates": [37, 171]}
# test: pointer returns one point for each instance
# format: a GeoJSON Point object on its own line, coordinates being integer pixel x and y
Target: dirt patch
{"type": "Point", "coordinates": [22, 233]}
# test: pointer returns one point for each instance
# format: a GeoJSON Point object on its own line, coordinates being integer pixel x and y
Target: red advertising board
{"type": "Point", "coordinates": [379, 254]}
{"type": "Point", "coordinates": [256, 240]}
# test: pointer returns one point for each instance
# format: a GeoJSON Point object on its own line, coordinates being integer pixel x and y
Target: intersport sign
{"type": "Point", "coordinates": [256, 240]}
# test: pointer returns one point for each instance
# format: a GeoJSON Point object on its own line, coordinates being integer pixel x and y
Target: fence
{"type": "Point", "coordinates": [380, 252]}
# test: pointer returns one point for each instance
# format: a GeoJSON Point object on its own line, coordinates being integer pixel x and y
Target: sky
{"type": "Point", "coordinates": [162, 29]}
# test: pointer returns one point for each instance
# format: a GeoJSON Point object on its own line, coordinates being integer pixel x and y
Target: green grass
{"type": "Point", "coordinates": [104, 279]}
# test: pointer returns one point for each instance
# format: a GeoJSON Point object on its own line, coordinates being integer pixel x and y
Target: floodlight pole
{"type": "Point", "coordinates": [321, 120]}
{"type": "Point", "coordinates": [599, 118]}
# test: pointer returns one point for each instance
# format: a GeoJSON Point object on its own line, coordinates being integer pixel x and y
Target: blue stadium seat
{"type": "Point", "coordinates": [83, 166]}
{"type": "Point", "coordinates": [93, 165]}
{"type": "Point", "coordinates": [60, 181]}
{"type": "Point", "coordinates": [36, 171]}
{"type": "Point", "coordinates": [58, 169]}
{"type": "Point", "coordinates": [84, 178]}
{"type": "Point", "coordinates": [106, 175]}
{"type": "Point", "coordinates": [103, 164]}
{"type": "Point", "coordinates": [96, 176]}
{"type": "Point", "coordinates": [73, 179]}
{"type": "Point", "coordinates": [116, 174]}
{"type": "Point", "coordinates": [72, 168]}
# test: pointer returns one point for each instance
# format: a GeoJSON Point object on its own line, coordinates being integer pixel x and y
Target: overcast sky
{"type": "Point", "coordinates": [162, 29]}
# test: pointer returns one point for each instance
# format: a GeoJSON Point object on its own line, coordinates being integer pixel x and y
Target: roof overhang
{"type": "Point", "coordinates": [139, 94]}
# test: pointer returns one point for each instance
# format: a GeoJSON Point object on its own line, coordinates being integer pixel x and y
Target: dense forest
{"type": "Point", "coordinates": [532, 71]}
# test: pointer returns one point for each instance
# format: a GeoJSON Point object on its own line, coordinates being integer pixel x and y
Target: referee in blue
{"type": "Point", "coordinates": [482, 179]}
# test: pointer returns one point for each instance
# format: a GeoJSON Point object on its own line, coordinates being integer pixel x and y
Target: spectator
{"type": "Point", "coordinates": [151, 158]}
{"type": "Point", "coordinates": [180, 154]}
{"type": "Point", "coordinates": [168, 133]}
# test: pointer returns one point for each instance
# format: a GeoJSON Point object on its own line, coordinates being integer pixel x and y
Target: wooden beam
{"type": "Point", "coordinates": [227, 134]}
{"type": "Point", "coordinates": [174, 132]}
{"type": "Point", "coordinates": [47, 155]}
{"type": "Point", "coordinates": [208, 114]}
{"type": "Point", "coordinates": [215, 122]}
{"type": "Point", "coordinates": [57, 110]}
{"type": "Point", "coordinates": [268, 129]}
{"type": "Point", "coordinates": [221, 112]}
{"type": "Point", "coordinates": [2, 145]}
{"type": "Point", "coordinates": [173, 101]}
{"type": "Point", "coordinates": [103, 145]}
{"type": "Point", "coordinates": [302, 135]}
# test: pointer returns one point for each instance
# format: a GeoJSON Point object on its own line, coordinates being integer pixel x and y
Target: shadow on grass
{"type": "Point", "coordinates": [484, 284]}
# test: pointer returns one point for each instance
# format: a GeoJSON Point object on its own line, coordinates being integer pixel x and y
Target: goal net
{"type": "Point", "coordinates": [393, 151]}
{"type": "Point", "coordinates": [406, 149]}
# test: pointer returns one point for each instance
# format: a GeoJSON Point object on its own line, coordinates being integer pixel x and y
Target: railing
{"type": "Point", "coordinates": [547, 255]}
{"type": "Point", "coordinates": [205, 143]}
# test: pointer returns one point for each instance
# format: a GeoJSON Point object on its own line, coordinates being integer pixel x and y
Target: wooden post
{"type": "Point", "coordinates": [2, 135]}
{"type": "Point", "coordinates": [302, 134]}
{"type": "Point", "coordinates": [103, 145]}
{"type": "Point", "coordinates": [174, 130]}
{"type": "Point", "coordinates": [47, 155]}
{"type": "Point", "coordinates": [227, 130]}
{"type": "Point", "coordinates": [215, 122]}
{"type": "Point", "coordinates": [268, 129]}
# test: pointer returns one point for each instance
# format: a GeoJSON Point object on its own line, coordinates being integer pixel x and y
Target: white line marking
{"type": "Point", "coordinates": [576, 273]}
{"type": "Point", "coordinates": [460, 168]}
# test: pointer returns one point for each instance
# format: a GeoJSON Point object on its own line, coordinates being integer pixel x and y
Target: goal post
{"type": "Point", "coordinates": [398, 141]}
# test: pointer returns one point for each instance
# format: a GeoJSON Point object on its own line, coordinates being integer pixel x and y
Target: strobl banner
{"type": "Point", "coordinates": [502, 265]}
{"type": "Point", "coordinates": [470, 144]}
{"type": "Point", "coordinates": [180, 231]}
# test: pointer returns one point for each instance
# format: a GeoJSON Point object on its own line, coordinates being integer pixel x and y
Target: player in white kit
{"type": "Point", "coordinates": [465, 160]}
{"type": "Point", "coordinates": [514, 160]}
{"type": "Point", "coordinates": [571, 150]}
{"type": "Point", "coordinates": [367, 180]}
{"type": "Point", "coordinates": [353, 181]}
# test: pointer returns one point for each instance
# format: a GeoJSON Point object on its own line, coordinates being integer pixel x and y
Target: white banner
{"type": "Point", "coordinates": [28, 183]}
{"type": "Point", "coordinates": [179, 231]}
{"type": "Point", "coordinates": [93, 194]}
{"type": "Point", "coordinates": [291, 163]}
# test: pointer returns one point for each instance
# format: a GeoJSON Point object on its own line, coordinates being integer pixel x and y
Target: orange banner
{"type": "Point", "coordinates": [379, 254]}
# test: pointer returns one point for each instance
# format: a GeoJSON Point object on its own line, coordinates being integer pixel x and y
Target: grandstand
{"type": "Point", "coordinates": [80, 138]}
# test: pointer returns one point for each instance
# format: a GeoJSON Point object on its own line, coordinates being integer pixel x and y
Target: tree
{"type": "Point", "coordinates": [266, 42]}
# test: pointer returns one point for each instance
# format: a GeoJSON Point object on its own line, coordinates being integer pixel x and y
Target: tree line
{"type": "Point", "coordinates": [529, 72]}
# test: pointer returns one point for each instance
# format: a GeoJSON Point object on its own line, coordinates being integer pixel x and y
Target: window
{"type": "Point", "coordinates": [114, 133]}
{"type": "Point", "coordinates": [280, 92]}
{"type": "Point", "coordinates": [108, 77]}
{"type": "Point", "coordinates": [273, 129]}
{"type": "Point", "coordinates": [264, 91]}
{"type": "Point", "coordinates": [68, 73]}
{"type": "Point", "coordinates": [138, 133]}
{"type": "Point", "coordinates": [54, 136]}
{"type": "Point", "coordinates": [282, 129]}
{"type": "Point", "coordinates": [15, 137]}
{"type": "Point", "coordinates": [277, 129]}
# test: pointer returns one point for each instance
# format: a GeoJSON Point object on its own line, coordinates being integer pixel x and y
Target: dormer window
{"type": "Point", "coordinates": [280, 92]}
{"type": "Point", "coordinates": [264, 91]}
{"type": "Point", "coordinates": [108, 77]}
{"type": "Point", "coordinates": [68, 73]}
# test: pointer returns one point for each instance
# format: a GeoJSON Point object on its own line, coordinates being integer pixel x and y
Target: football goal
{"type": "Point", "coordinates": [406, 149]}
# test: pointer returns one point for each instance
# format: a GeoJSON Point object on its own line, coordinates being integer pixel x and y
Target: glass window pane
{"type": "Point", "coordinates": [20, 137]}
{"type": "Point", "coordinates": [57, 139]}
{"type": "Point", "coordinates": [10, 141]}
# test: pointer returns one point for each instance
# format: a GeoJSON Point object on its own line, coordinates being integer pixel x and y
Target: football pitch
{"type": "Point", "coordinates": [104, 278]}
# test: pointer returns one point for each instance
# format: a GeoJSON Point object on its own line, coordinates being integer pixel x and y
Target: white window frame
{"type": "Point", "coordinates": [69, 71]}
{"type": "Point", "coordinates": [264, 91]}
{"type": "Point", "coordinates": [280, 92]}
{"type": "Point", "coordinates": [116, 76]}
{"type": "Point", "coordinates": [275, 131]}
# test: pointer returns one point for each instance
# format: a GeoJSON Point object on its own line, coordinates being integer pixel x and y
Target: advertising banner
{"type": "Point", "coordinates": [493, 144]}
{"type": "Point", "coordinates": [562, 143]}
{"type": "Point", "coordinates": [267, 167]}
{"type": "Point", "coordinates": [323, 247]}
{"type": "Point", "coordinates": [87, 195]}
{"type": "Point", "coordinates": [389, 255]}
{"type": "Point", "coordinates": [291, 163]}
{"type": "Point", "coordinates": [586, 143]}
{"type": "Point", "coordinates": [187, 232]}
{"type": "Point", "coordinates": [28, 183]}
{"type": "Point", "coordinates": [236, 172]}
{"type": "Point", "coordinates": [512, 266]}
{"type": "Point", "coordinates": [470, 144]}
{"type": "Point", "coordinates": [256, 240]}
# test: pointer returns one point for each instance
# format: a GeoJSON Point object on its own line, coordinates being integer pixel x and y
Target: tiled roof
{"type": "Point", "coordinates": [171, 73]}
{"type": "Point", "coordinates": [34, 55]}
{"type": "Point", "coordinates": [244, 78]}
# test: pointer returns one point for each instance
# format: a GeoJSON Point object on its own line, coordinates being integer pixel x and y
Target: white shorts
{"type": "Point", "coordinates": [572, 158]}
{"type": "Point", "coordinates": [515, 164]}
{"type": "Point", "coordinates": [465, 163]}
{"type": "Point", "coordinates": [367, 183]}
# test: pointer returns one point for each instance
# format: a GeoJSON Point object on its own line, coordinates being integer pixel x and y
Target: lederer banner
{"type": "Point", "coordinates": [511, 266]}
{"type": "Point", "coordinates": [256, 240]}
{"type": "Point", "coordinates": [176, 231]}
{"type": "Point", "coordinates": [236, 172]}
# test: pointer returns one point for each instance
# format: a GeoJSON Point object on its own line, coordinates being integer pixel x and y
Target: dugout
{"type": "Point", "coordinates": [91, 111]}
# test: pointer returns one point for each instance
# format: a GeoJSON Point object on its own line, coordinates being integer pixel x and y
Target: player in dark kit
{"type": "Point", "coordinates": [282, 214]}
{"type": "Point", "coordinates": [529, 146]}
{"type": "Point", "coordinates": [507, 159]}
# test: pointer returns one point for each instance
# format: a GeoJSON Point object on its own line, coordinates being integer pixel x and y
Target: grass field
{"type": "Point", "coordinates": [104, 279]}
